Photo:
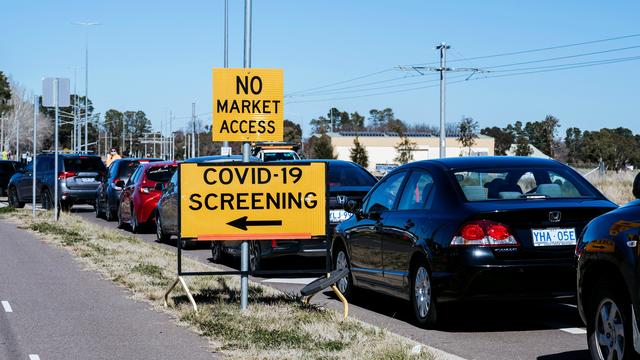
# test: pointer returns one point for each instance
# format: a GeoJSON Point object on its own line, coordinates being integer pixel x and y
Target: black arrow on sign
{"type": "Point", "coordinates": [242, 223]}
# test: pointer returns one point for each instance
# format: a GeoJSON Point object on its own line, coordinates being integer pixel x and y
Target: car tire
{"type": "Point", "coordinates": [120, 222]}
{"type": "Point", "coordinates": [613, 333]}
{"type": "Point", "coordinates": [109, 214]}
{"type": "Point", "coordinates": [135, 226]}
{"type": "Point", "coordinates": [160, 234]}
{"type": "Point", "coordinates": [341, 261]}
{"type": "Point", "coordinates": [14, 201]}
{"type": "Point", "coordinates": [422, 298]}
{"type": "Point", "coordinates": [65, 206]}
{"type": "Point", "coordinates": [98, 210]}
{"type": "Point", "coordinates": [216, 252]}
{"type": "Point", "coordinates": [47, 201]}
{"type": "Point", "coordinates": [255, 256]}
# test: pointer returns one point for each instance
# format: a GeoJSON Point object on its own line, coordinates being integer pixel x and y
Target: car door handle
{"type": "Point", "coordinates": [409, 224]}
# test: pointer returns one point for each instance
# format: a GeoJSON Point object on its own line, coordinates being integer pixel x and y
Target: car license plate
{"type": "Point", "coordinates": [86, 180]}
{"type": "Point", "coordinates": [553, 237]}
{"type": "Point", "coordinates": [336, 216]}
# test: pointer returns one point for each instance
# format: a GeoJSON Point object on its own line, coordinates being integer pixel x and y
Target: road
{"type": "Point", "coordinates": [52, 309]}
{"type": "Point", "coordinates": [491, 331]}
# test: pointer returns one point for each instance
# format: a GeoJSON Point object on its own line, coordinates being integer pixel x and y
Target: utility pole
{"type": "Point", "coordinates": [246, 152]}
{"type": "Point", "coordinates": [443, 69]}
{"type": "Point", "coordinates": [171, 148]}
{"type": "Point", "coordinates": [124, 126]}
{"type": "Point", "coordinates": [193, 129]}
{"type": "Point", "coordinates": [74, 144]}
{"type": "Point", "coordinates": [225, 144]}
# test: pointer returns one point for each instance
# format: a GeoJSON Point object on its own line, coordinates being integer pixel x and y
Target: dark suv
{"type": "Point", "coordinates": [110, 188]}
{"type": "Point", "coordinates": [608, 277]}
{"type": "Point", "coordinates": [77, 181]}
{"type": "Point", "coordinates": [7, 169]}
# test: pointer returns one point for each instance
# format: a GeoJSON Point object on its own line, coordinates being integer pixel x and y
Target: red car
{"type": "Point", "coordinates": [140, 195]}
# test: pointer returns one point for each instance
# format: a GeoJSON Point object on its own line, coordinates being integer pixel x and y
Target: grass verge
{"type": "Point", "coordinates": [276, 326]}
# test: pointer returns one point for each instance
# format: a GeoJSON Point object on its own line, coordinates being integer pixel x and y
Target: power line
{"type": "Point", "coordinates": [344, 81]}
{"type": "Point", "coordinates": [564, 57]}
{"type": "Point", "coordinates": [520, 52]}
{"type": "Point", "coordinates": [351, 86]}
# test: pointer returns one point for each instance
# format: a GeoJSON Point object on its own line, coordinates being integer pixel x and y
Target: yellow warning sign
{"type": "Point", "coordinates": [248, 104]}
{"type": "Point", "coordinates": [252, 201]}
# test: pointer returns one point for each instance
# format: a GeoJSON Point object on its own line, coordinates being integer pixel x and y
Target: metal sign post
{"type": "Point", "coordinates": [36, 100]}
{"type": "Point", "coordinates": [246, 158]}
{"type": "Point", "coordinates": [55, 92]}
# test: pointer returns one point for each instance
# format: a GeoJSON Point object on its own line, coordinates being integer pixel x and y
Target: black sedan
{"type": "Point", "coordinates": [110, 188]}
{"type": "Point", "coordinates": [608, 275]}
{"type": "Point", "coordinates": [7, 169]}
{"type": "Point", "coordinates": [346, 180]}
{"type": "Point", "coordinates": [467, 228]}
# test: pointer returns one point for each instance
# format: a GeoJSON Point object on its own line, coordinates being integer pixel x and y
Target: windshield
{"type": "Point", "coordinates": [340, 175]}
{"type": "Point", "coordinates": [278, 156]}
{"type": "Point", "coordinates": [520, 183]}
{"type": "Point", "coordinates": [161, 173]}
{"type": "Point", "coordinates": [84, 164]}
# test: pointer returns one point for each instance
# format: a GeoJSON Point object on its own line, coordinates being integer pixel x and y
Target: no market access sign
{"type": "Point", "coordinates": [248, 104]}
{"type": "Point", "coordinates": [252, 201]}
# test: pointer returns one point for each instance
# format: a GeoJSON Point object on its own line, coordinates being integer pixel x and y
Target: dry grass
{"type": "Point", "coordinates": [617, 186]}
{"type": "Point", "coordinates": [276, 326]}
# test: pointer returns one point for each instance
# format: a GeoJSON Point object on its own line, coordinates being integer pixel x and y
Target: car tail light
{"type": "Point", "coordinates": [484, 233]}
{"type": "Point", "coordinates": [66, 174]}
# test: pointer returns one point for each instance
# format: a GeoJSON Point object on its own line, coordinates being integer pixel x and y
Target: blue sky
{"type": "Point", "coordinates": [157, 56]}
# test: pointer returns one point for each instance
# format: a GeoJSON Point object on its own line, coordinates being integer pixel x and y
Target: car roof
{"type": "Point", "coordinates": [158, 164]}
{"type": "Point", "coordinates": [330, 161]}
{"type": "Point", "coordinates": [219, 158]}
{"type": "Point", "coordinates": [488, 161]}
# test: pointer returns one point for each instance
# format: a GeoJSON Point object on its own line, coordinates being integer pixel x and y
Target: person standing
{"type": "Point", "coordinates": [113, 155]}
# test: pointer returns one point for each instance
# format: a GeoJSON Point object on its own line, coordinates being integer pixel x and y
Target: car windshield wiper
{"type": "Point", "coordinates": [533, 196]}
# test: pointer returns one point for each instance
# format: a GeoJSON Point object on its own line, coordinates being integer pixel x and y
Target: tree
{"type": "Point", "coordinates": [616, 147]}
{"type": "Point", "coordinates": [405, 149]}
{"type": "Point", "coordinates": [19, 111]}
{"type": "Point", "coordinates": [359, 153]}
{"type": "Point", "coordinates": [385, 120]}
{"type": "Point", "coordinates": [321, 148]}
{"type": "Point", "coordinates": [521, 139]}
{"type": "Point", "coordinates": [292, 132]}
{"type": "Point", "coordinates": [541, 134]}
{"type": "Point", "coordinates": [573, 141]}
{"type": "Point", "coordinates": [320, 125]}
{"type": "Point", "coordinates": [503, 139]}
{"type": "Point", "coordinates": [467, 129]}
{"type": "Point", "coordinates": [5, 94]}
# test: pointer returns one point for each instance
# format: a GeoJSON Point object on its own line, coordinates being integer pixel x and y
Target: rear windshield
{"type": "Point", "coordinates": [340, 175]}
{"type": "Point", "coordinates": [277, 156]}
{"type": "Point", "coordinates": [84, 164]}
{"type": "Point", "coordinates": [521, 183]}
{"type": "Point", "coordinates": [161, 173]}
{"type": "Point", "coordinates": [126, 168]}
{"type": "Point", "coordinates": [7, 167]}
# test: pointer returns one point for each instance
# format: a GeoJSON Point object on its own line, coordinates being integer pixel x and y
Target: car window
{"type": "Point", "coordinates": [126, 168]}
{"type": "Point", "coordinates": [84, 164]}
{"type": "Point", "coordinates": [519, 183]}
{"type": "Point", "coordinates": [7, 167]}
{"type": "Point", "coordinates": [173, 183]}
{"type": "Point", "coordinates": [134, 177]}
{"type": "Point", "coordinates": [43, 164]}
{"type": "Point", "coordinates": [384, 196]}
{"type": "Point", "coordinates": [160, 173]}
{"type": "Point", "coordinates": [416, 192]}
{"type": "Point", "coordinates": [348, 175]}
{"type": "Point", "coordinates": [278, 156]}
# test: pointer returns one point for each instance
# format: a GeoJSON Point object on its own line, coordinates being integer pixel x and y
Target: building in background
{"type": "Point", "coordinates": [381, 147]}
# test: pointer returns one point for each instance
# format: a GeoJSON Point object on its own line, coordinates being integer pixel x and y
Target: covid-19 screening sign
{"type": "Point", "coordinates": [252, 201]}
{"type": "Point", "coordinates": [248, 104]}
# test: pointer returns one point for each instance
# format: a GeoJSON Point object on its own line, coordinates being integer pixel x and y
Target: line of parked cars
{"type": "Point", "coordinates": [430, 232]}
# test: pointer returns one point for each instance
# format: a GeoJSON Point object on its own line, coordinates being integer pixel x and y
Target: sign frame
{"type": "Point", "coordinates": [328, 239]}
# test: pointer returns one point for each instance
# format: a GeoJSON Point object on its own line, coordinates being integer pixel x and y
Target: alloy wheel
{"type": "Point", "coordinates": [341, 263]}
{"type": "Point", "coordinates": [609, 329]}
{"type": "Point", "coordinates": [422, 292]}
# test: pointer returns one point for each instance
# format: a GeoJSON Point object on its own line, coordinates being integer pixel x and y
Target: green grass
{"type": "Point", "coordinates": [276, 325]}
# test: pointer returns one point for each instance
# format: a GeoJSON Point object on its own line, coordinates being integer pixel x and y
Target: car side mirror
{"type": "Point", "coordinates": [120, 183]}
{"type": "Point", "coordinates": [159, 186]}
{"type": "Point", "coordinates": [636, 186]}
{"type": "Point", "coordinates": [351, 206]}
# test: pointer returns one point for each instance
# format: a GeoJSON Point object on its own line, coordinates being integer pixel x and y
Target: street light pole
{"type": "Point", "coordinates": [86, 82]}
{"type": "Point", "coordinates": [246, 151]}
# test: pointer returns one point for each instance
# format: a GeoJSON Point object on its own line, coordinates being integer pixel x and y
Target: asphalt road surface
{"type": "Point", "coordinates": [52, 309]}
{"type": "Point", "coordinates": [491, 331]}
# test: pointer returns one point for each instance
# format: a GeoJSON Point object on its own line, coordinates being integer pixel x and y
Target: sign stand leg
{"type": "Point", "coordinates": [186, 289]}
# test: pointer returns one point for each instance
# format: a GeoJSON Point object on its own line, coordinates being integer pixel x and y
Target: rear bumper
{"type": "Point", "coordinates": [313, 248]}
{"type": "Point", "coordinates": [87, 196]}
{"type": "Point", "coordinates": [507, 282]}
